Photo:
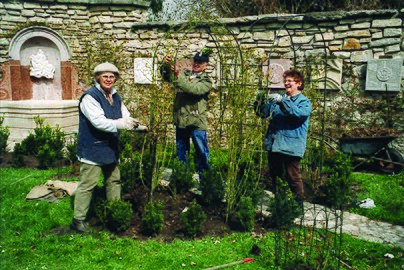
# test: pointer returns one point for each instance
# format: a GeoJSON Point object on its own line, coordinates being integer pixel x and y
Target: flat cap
{"type": "Point", "coordinates": [106, 67]}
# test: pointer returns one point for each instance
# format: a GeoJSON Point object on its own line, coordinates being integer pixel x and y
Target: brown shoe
{"type": "Point", "coordinates": [79, 226]}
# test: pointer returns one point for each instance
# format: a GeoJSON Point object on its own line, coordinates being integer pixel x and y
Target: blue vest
{"type": "Point", "coordinates": [96, 145]}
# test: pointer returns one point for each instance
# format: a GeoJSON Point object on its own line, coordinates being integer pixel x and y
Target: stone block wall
{"type": "Point", "coordinates": [352, 37]}
{"type": "Point", "coordinates": [74, 20]}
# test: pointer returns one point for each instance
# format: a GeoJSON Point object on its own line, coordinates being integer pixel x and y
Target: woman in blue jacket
{"type": "Point", "coordinates": [285, 139]}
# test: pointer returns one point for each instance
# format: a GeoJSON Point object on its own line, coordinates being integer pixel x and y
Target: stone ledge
{"type": "Point", "coordinates": [299, 18]}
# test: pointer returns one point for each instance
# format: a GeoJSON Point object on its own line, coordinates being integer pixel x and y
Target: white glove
{"type": "Point", "coordinates": [127, 123]}
{"type": "Point", "coordinates": [274, 98]}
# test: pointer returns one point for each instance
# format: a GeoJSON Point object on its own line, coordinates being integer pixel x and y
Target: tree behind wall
{"type": "Point", "coordinates": [202, 9]}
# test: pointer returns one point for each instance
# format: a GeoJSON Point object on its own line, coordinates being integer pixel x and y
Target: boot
{"type": "Point", "coordinates": [79, 226]}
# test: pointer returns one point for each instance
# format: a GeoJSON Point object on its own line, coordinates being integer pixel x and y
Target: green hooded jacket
{"type": "Point", "coordinates": [191, 99]}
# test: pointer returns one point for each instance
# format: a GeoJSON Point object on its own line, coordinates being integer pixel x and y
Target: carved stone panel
{"type": "Point", "coordinates": [273, 72]}
{"type": "Point", "coordinates": [40, 66]}
{"type": "Point", "coordinates": [328, 75]}
{"type": "Point", "coordinates": [143, 70]}
{"type": "Point", "coordinates": [384, 74]}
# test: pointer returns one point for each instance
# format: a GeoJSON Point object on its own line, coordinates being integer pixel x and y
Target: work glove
{"type": "Point", "coordinates": [274, 98]}
{"type": "Point", "coordinates": [260, 95]}
{"type": "Point", "coordinates": [127, 123]}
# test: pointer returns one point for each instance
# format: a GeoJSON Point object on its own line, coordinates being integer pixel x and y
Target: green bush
{"type": "Point", "coordinates": [46, 143]}
{"type": "Point", "coordinates": [99, 206]}
{"type": "Point", "coordinates": [212, 187]}
{"type": "Point", "coordinates": [4, 134]}
{"type": "Point", "coordinates": [130, 169]}
{"type": "Point", "coordinates": [152, 220]}
{"type": "Point", "coordinates": [46, 157]}
{"type": "Point", "coordinates": [245, 214]}
{"type": "Point", "coordinates": [17, 158]}
{"type": "Point", "coordinates": [181, 178]}
{"type": "Point", "coordinates": [136, 165]}
{"type": "Point", "coordinates": [114, 214]}
{"type": "Point", "coordinates": [283, 207]}
{"type": "Point", "coordinates": [192, 219]}
{"type": "Point", "coordinates": [119, 214]}
{"type": "Point", "coordinates": [338, 187]}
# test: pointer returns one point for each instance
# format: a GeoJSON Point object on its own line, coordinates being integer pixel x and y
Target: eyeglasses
{"type": "Point", "coordinates": [288, 81]}
{"type": "Point", "coordinates": [106, 77]}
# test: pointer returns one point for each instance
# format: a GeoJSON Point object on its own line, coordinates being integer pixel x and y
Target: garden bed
{"type": "Point", "coordinates": [214, 225]}
{"type": "Point", "coordinates": [174, 204]}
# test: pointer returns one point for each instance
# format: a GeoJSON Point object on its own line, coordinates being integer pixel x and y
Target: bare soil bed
{"type": "Point", "coordinates": [215, 224]}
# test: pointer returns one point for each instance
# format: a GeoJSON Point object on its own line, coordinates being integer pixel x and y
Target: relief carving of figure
{"type": "Point", "coordinates": [40, 67]}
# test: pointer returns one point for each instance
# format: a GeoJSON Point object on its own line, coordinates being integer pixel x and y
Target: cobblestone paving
{"type": "Point", "coordinates": [352, 224]}
{"type": "Point", "coordinates": [355, 225]}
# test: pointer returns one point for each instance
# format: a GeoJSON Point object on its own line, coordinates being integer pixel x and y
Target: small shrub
{"type": "Point", "coordinates": [119, 214]}
{"type": "Point", "coordinates": [46, 156]}
{"type": "Point", "coordinates": [337, 189]}
{"type": "Point", "coordinates": [17, 158]}
{"type": "Point", "coordinates": [283, 207]}
{"type": "Point", "coordinates": [181, 178]}
{"type": "Point", "coordinates": [4, 134]}
{"type": "Point", "coordinates": [212, 187]}
{"type": "Point", "coordinates": [115, 214]}
{"type": "Point", "coordinates": [46, 143]}
{"type": "Point", "coordinates": [130, 169]}
{"type": "Point", "coordinates": [192, 219]}
{"type": "Point", "coordinates": [152, 220]}
{"type": "Point", "coordinates": [245, 214]}
{"type": "Point", "coordinates": [100, 208]}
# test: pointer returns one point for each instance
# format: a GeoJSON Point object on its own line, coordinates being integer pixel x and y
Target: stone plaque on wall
{"type": "Point", "coordinates": [328, 75]}
{"type": "Point", "coordinates": [143, 70]}
{"type": "Point", "coordinates": [273, 72]}
{"type": "Point", "coordinates": [383, 74]}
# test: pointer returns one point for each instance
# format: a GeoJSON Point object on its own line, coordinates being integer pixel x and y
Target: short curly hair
{"type": "Point", "coordinates": [296, 75]}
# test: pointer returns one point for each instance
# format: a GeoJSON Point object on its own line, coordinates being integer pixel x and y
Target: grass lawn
{"type": "Point", "coordinates": [387, 191]}
{"type": "Point", "coordinates": [34, 235]}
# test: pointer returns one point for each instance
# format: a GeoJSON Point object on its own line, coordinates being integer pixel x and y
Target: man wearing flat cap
{"type": "Point", "coordinates": [190, 107]}
{"type": "Point", "coordinates": [102, 115]}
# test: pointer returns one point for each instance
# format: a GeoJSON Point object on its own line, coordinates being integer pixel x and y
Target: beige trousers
{"type": "Point", "coordinates": [89, 176]}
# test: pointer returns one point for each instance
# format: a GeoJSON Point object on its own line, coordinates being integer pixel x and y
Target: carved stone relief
{"type": "Point", "coordinates": [40, 66]}
{"type": "Point", "coordinates": [328, 75]}
{"type": "Point", "coordinates": [384, 74]}
{"type": "Point", "coordinates": [273, 72]}
{"type": "Point", "coordinates": [143, 70]}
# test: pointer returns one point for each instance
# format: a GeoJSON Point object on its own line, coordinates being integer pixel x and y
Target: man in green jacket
{"type": "Point", "coordinates": [190, 107]}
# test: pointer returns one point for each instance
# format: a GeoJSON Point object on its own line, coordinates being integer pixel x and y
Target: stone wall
{"type": "Point", "coordinates": [353, 38]}
{"type": "Point", "coordinates": [74, 20]}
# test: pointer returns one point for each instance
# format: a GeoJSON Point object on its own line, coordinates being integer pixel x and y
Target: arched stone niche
{"type": "Point", "coordinates": [39, 79]}
{"type": "Point", "coordinates": [44, 46]}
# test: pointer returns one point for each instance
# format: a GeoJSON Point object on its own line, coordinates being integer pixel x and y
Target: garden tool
{"type": "Point", "coordinates": [245, 260]}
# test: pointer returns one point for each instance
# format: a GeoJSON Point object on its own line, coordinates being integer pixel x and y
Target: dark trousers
{"type": "Point", "coordinates": [200, 141]}
{"type": "Point", "coordinates": [287, 168]}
